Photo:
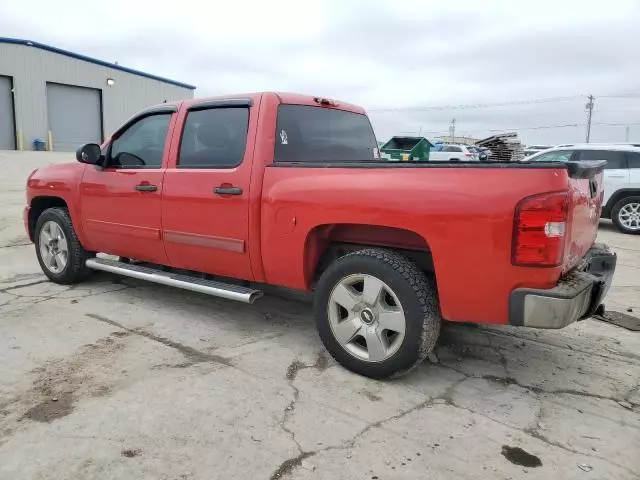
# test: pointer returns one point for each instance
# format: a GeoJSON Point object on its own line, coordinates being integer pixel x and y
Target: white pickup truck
{"type": "Point", "coordinates": [452, 153]}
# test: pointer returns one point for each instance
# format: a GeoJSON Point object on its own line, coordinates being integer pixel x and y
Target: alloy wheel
{"type": "Point", "coordinates": [366, 317]}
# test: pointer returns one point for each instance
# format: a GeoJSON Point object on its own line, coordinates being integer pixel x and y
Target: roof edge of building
{"type": "Point", "coordinates": [84, 58]}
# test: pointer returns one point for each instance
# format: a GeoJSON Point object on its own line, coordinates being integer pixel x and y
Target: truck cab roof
{"type": "Point", "coordinates": [282, 97]}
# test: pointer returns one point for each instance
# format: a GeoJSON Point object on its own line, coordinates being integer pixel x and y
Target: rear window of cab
{"type": "Point", "coordinates": [318, 134]}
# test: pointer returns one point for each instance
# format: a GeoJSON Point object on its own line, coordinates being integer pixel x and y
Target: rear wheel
{"type": "Point", "coordinates": [377, 313]}
{"type": "Point", "coordinates": [625, 214]}
{"type": "Point", "coordinates": [59, 252]}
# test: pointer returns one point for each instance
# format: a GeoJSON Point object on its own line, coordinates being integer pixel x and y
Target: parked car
{"type": "Point", "coordinates": [480, 153]}
{"type": "Point", "coordinates": [452, 153]}
{"type": "Point", "coordinates": [621, 201]}
{"type": "Point", "coordinates": [485, 154]}
{"type": "Point", "coordinates": [288, 190]}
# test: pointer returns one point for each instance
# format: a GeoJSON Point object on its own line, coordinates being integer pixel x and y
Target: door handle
{"type": "Point", "coordinates": [146, 187]}
{"type": "Point", "coordinates": [227, 191]}
{"type": "Point", "coordinates": [616, 176]}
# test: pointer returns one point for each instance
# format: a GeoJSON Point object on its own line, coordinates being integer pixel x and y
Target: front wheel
{"type": "Point", "coordinates": [625, 214]}
{"type": "Point", "coordinates": [60, 254]}
{"type": "Point", "coordinates": [377, 313]}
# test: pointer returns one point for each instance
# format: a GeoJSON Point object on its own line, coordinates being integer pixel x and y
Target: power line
{"type": "Point", "coordinates": [623, 124]}
{"type": "Point", "coordinates": [540, 127]}
{"type": "Point", "coordinates": [621, 95]}
{"type": "Point", "coordinates": [517, 129]}
{"type": "Point", "coordinates": [418, 132]}
{"type": "Point", "coordinates": [616, 110]}
{"type": "Point", "coordinates": [464, 106]}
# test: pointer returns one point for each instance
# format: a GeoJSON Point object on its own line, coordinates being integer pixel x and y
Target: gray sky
{"type": "Point", "coordinates": [381, 54]}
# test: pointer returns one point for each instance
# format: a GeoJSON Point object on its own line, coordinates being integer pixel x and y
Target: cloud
{"type": "Point", "coordinates": [382, 54]}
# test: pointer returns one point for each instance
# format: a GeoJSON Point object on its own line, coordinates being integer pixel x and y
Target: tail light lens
{"type": "Point", "coordinates": [539, 230]}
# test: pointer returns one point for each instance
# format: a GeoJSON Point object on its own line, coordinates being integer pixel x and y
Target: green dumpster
{"type": "Point", "coordinates": [405, 149]}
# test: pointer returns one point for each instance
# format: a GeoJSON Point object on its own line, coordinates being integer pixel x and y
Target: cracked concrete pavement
{"type": "Point", "coordinates": [118, 379]}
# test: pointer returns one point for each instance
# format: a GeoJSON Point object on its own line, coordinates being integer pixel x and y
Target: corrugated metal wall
{"type": "Point", "coordinates": [31, 68]}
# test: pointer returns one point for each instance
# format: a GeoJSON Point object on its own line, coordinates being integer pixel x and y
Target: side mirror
{"type": "Point", "coordinates": [89, 153]}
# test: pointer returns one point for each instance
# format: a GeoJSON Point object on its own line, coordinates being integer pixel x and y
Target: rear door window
{"type": "Point", "coordinates": [615, 159]}
{"type": "Point", "coordinates": [317, 134]}
{"type": "Point", "coordinates": [452, 148]}
{"type": "Point", "coordinates": [633, 159]}
{"type": "Point", "coordinates": [214, 138]}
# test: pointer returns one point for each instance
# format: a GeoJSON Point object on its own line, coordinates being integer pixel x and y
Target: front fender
{"type": "Point", "coordinates": [59, 181]}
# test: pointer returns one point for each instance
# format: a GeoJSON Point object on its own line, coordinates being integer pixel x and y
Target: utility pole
{"type": "Point", "coordinates": [452, 130]}
{"type": "Point", "coordinates": [589, 107]}
{"type": "Point", "coordinates": [626, 137]}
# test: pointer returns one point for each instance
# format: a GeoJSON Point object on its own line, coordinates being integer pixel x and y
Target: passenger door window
{"type": "Point", "coordinates": [142, 144]}
{"type": "Point", "coordinates": [615, 159]}
{"type": "Point", "coordinates": [214, 138]}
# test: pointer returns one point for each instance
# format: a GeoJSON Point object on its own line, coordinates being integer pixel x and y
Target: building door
{"type": "Point", "coordinates": [7, 121]}
{"type": "Point", "coordinates": [75, 116]}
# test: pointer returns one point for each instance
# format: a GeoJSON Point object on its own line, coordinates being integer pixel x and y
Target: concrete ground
{"type": "Point", "coordinates": [118, 379]}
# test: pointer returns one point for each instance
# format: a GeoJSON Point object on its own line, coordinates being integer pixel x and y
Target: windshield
{"type": "Point", "coordinates": [555, 156]}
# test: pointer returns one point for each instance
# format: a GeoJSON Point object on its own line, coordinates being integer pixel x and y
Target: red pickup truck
{"type": "Point", "coordinates": [223, 195]}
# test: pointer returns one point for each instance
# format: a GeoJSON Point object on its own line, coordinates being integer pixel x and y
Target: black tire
{"type": "Point", "coordinates": [616, 210]}
{"type": "Point", "coordinates": [75, 270]}
{"type": "Point", "coordinates": [417, 296]}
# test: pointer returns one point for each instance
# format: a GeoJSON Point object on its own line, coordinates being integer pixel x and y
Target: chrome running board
{"type": "Point", "coordinates": [186, 282]}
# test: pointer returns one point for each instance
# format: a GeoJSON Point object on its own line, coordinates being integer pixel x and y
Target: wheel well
{"type": "Point", "coordinates": [326, 243]}
{"type": "Point", "coordinates": [616, 197]}
{"type": "Point", "coordinates": [39, 205]}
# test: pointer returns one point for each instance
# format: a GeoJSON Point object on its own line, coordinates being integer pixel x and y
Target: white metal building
{"type": "Point", "coordinates": [66, 99]}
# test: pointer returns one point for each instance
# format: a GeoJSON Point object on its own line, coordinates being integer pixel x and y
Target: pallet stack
{"type": "Point", "coordinates": [504, 148]}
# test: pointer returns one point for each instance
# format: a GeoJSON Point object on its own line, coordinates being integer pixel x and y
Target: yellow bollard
{"type": "Point", "coordinates": [49, 141]}
{"type": "Point", "coordinates": [20, 144]}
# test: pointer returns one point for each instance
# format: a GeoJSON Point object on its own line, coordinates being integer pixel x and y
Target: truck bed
{"type": "Point", "coordinates": [462, 212]}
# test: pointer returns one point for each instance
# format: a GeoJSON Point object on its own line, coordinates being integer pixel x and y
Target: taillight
{"type": "Point", "coordinates": [468, 154]}
{"type": "Point", "coordinates": [539, 230]}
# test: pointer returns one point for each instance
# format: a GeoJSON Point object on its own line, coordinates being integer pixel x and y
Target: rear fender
{"type": "Point", "coordinates": [321, 237]}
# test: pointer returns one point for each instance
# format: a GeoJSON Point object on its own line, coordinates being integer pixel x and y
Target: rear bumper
{"type": "Point", "coordinates": [576, 296]}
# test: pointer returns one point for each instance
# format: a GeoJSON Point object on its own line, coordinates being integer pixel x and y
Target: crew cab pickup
{"type": "Point", "coordinates": [224, 195]}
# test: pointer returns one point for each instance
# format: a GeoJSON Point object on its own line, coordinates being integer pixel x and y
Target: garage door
{"type": "Point", "coordinates": [75, 116]}
{"type": "Point", "coordinates": [7, 125]}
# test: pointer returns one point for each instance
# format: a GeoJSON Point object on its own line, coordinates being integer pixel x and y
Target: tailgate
{"type": "Point", "coordinates": [586, 193]}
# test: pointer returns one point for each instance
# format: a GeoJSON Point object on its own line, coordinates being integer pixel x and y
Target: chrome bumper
{"type": "Point", "coordinates": [576, 296]}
